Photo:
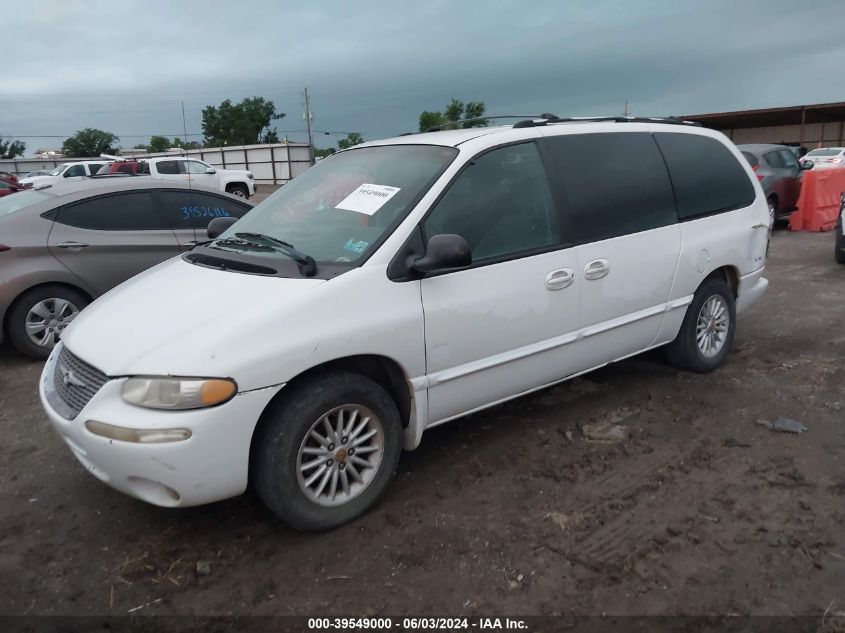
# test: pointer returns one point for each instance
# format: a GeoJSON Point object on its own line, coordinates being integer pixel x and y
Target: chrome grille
{"type": "Point", "coordinates": [76, 382]}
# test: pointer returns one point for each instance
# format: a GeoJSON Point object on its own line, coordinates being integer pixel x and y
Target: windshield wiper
{"type": "Point", "coordinates": [307, 265]}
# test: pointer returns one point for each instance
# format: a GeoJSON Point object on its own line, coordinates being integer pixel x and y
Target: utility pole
{"type": "Point", "coordinates": [308, 126]}
{"type": "Point", "coordinates": [184, 128]}
{"type": "Point", "coordinates": [625, 114]}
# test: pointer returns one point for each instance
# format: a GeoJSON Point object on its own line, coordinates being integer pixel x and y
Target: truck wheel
{"type": "Point", "coordinates": [707, 332]}
{"type": "Point", "coordinates": [325, 452]}
{"type": "Point", "coordinates": [239, 190]}
{"type": "Point", "coordinates": [839, 246]}
{"type": "Point", "coordinates": [38, 317]}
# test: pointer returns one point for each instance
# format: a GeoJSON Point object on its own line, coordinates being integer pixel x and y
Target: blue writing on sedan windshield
{"type": "Point", "coordinates": [204, 212]}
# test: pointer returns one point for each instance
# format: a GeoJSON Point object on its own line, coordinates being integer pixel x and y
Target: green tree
{"type": "Point", "coordinates": [243, 123]}
{"type": "Point", "coordinates": [353, 138]}
{"type": "Point", "coordinates": [158, 144]}
{"type": "Point", "coordinates": [140, 146]}
{"type": "Point", "coordinates": [10, 149]}
{"type": "Point", "coordinates": [323, 152]}
{"type": "Point", "coordinates": [178, 142]}
{"type": "Point", "coordinates": [90, 142]}
{"type": "Point", "coordinates": [455, 111]}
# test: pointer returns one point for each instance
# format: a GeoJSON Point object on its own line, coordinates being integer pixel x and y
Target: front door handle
{"type": "Point", "coordinates": [71, 245]}
{"type": "Point", "coordinates": [596, 269]}
{"type": "Point", "coordinates": [560, 279]}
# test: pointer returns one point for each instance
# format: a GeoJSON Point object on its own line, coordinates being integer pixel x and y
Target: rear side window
{"type": "Point", "coordinates": [614, 184]}
{"type": "Point", "coordinates": [93, 168]}
{"type": "Point", "coordinates": [168, 167]}
{"type": "Point", "coordinates": [193, 209]}
{"type": "Point", "coordinates": [706, 176]}
{"type": "Point", "coordinates": [131, 211]}
{"type": "Point", "coordinates": [789, 159]}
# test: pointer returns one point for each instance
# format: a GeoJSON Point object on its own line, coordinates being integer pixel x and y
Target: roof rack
{"type": "Point", "coordinates": [543, 120]}
{"type": "Point", "coordinates": [438, 128]}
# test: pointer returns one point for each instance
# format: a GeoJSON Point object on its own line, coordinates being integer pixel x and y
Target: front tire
{"type": "Point", "coordinates": [39, 316]}
{"type": "Point", "coordinates": [240, 191]}
{"type": "Point", "coordinates": [707, 332]}
{"type": "Point", "coordinates": [325, 451]}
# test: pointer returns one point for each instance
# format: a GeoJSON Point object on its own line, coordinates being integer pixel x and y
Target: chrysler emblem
{"type": "Point", "coordinates": [69, 378]}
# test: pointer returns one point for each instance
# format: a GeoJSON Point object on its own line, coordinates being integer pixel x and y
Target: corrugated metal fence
{"type": "Point", "coordinates": [273, 164]}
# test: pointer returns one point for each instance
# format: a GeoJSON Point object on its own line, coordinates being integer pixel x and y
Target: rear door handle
{"type": "Point", "coordinates": [560, 279]}
{"type": "Point", "coordinates": [71, 245]}
{"type": "Point", "coordinates": [596, 269]}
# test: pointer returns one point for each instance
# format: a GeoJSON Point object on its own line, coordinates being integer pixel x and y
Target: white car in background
{"type": "Point", "coordinates": [237, 182]}
{"type": "Point", "coordinates": [74, 171]}
{"type": "Point", "coordinates": [826, 157]}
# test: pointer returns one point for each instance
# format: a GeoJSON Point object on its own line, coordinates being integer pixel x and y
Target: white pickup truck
{"type": "Point", "coordinates": [238, 182]}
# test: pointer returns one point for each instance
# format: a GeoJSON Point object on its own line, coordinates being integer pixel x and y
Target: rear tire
{"type": "Point", "coordinates": [240, 191]}
{"type": "Point", "coordinates": [52, 306]}
{"type": "Point", "coordinates": [305, 495]}
{"type": "Point", "coordinates": [701, 346]}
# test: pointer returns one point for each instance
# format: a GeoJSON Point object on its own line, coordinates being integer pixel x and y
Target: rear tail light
{"type": "Point", "coordinates": [3, 247]}
{"type": "Point", "coordinates": [759, 176]}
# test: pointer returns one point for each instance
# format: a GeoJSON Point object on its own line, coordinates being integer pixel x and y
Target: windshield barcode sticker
{"type": "Point", "coordinates": [367, 198]}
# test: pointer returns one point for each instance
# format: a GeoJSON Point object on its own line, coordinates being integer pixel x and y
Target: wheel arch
{"type": "Point", "coordinates": [383, 370]}
{"type": "Point", "coordinates": [728, 273]}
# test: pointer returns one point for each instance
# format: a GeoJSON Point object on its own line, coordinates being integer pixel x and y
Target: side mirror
{"type": "Point", "coordinates": [446, 251]}
{"type": "Point", "coordinates": [218, 226]}
{"type": "Point", "coordinates": [211, 170]}
{"type": "Point", "coordinates": [66, 174]}
{"type": "Point", "coordinates": [807, 164]}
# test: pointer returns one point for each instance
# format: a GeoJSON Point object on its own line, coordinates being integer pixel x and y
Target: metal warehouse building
{"type": "Point", "coordinates": [810, 126]}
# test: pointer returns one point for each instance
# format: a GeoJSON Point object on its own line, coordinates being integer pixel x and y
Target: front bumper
{"type": "Point", "coordinates": [751, 287]}
{"type": "Point", "coordinates": [211, 465]}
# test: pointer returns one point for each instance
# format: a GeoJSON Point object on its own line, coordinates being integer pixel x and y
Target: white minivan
{"type": "Point", "coordinates": [396, 286]}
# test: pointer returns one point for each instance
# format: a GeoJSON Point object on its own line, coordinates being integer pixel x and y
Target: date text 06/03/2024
{"type": "Point", "coordinates": [418, 623]}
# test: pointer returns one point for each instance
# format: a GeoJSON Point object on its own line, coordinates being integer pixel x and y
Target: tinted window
{"type": "Point", "coordinates": [615, 184]}
{"type": "Point", "coordinates": [168, 167]}
{"type": "Point", "coordinates": [825, 152]}
{"type": "Point", "coordinates": [94, 168]}
{"type": "Point", "coordinates": [706, 176]}
{"type": "Point", "coordinates": [194, 167]}
{"type": "Point", "coordinates": [75, 170]}
{"type": "Point", "coordinates": [751, 158]}
{"type": "Point", "coordinates": [131, 211]}
{"type": "Point", "coordinates": [193, 209]}
{"type": "Point", "coordinates": [501, 204]}
{"type": "Point", "coordinates": [774, 159]}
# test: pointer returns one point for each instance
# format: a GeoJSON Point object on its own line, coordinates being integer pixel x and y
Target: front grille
{"type": "Point", "coordinates": [76, 382]}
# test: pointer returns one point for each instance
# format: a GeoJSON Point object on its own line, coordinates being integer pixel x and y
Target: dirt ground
{"type": "Point", "coordinates": [700, 511]}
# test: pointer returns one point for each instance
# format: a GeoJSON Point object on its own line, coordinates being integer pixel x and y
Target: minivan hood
{"type": "Point", "coordinates": [178, 319]}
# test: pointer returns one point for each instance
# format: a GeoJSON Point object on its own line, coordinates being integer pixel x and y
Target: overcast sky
{"type": "Point", "coordinates": [372, 66]}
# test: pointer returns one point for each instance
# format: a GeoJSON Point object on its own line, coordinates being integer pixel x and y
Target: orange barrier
{"type": "Point", "coordinates": [822, 193]}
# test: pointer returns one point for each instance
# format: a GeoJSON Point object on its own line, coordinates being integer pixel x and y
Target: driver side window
{"type": "Point", "coordinates": [75, 170]}
{"type": "Point", "coordinates": [501, 204]}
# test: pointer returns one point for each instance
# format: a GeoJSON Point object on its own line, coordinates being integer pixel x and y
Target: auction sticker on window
{"type": "Point", "coordinates": [367, 198]}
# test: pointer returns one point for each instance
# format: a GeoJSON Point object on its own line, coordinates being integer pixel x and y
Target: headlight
{"type": "Point", "coordinates": [178, 393]}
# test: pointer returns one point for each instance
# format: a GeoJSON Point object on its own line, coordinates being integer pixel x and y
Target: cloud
{"type": "Point", "coordinates": [373, 65]}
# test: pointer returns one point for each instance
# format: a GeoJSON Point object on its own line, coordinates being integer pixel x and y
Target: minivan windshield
{"type": "Point", "coordinates": [20, 200]}
{"type": "Point", "coordinates": [339, 209]}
